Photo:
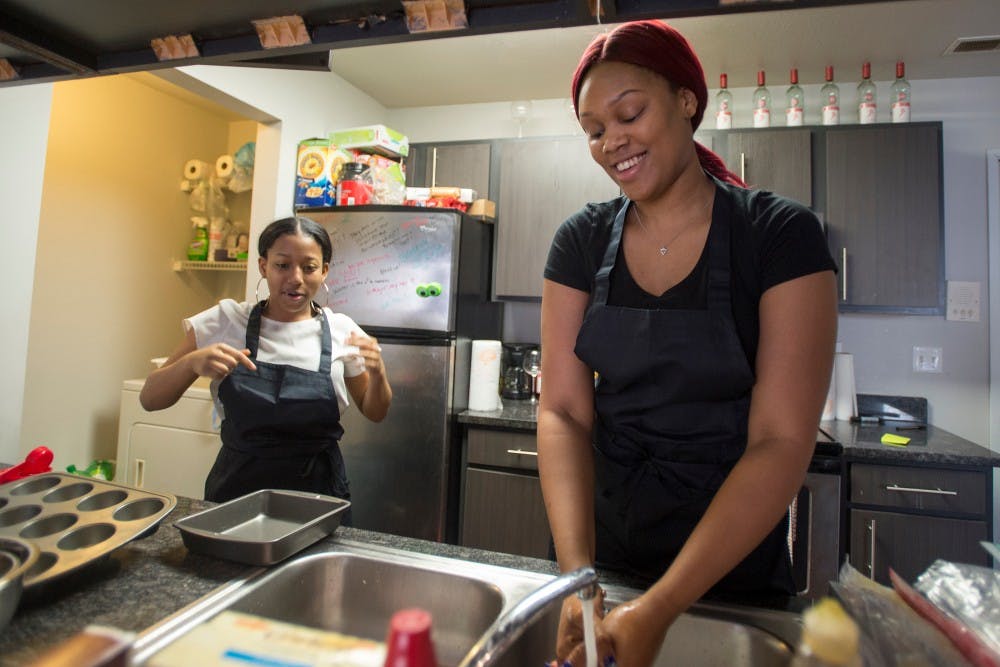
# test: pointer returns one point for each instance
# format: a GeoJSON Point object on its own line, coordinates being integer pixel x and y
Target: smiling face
{"type": "Point", "coordinates": [295, 271]}
{"type": "Point", "coordinates": [638, 127]}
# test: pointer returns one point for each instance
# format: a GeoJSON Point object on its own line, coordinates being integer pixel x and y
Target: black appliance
{"type": "Point", "coordinates": [515, 382]}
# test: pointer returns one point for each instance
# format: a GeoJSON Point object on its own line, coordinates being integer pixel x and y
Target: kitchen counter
{"type": "Point", "coordinates": [860, 442]}
{"type": "Point", "coordinates": [143, 582]}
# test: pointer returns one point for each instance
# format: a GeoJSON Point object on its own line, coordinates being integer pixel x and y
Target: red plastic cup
{"type": "Point", "coordinates": [409, 643]}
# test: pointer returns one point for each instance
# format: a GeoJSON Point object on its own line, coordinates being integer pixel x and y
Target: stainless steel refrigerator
{"type": "Point", "coordinates": [418, 279]}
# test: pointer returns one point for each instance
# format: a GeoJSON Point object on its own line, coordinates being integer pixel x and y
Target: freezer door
{"type": "Point", "coordinates": [394, 269]}
{"type": "Point", "coordinates": [399, 468]}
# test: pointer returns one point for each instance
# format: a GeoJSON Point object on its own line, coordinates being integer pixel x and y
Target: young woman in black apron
{"type": "Point", "coordinates": [688, 330]}
{"type": "Point", "coordinates": [282, 369]}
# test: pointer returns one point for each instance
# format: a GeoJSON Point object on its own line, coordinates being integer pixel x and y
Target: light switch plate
{"type": "Point", "coordinates": [927, 360]}
{"type": "Point", "coordinates": [963, 301]}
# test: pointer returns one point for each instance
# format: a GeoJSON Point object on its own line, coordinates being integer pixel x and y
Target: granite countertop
{"type": "Point", "coordinates": [860, 442]}
{"type": "Point", "coordinates": [145, 581]}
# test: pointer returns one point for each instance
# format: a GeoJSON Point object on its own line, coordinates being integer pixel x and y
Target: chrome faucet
{"type": "Point", "coordinates": [506, 630]}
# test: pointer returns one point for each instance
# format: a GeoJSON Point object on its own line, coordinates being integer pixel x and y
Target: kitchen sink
{"type": "Point", "coordinates": [354, 588]}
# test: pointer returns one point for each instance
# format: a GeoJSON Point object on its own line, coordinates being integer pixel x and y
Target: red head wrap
{"type": "Point", "coordinates": [659, 48]}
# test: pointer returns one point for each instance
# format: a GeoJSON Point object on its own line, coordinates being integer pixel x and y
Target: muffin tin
{"type": "Point", "coordinates": [74, 520]}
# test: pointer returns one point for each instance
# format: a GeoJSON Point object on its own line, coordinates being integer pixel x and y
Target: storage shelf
{"type": "Point", "coordinates": [190, 265]}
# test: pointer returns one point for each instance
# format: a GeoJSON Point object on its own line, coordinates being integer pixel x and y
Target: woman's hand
{"type": "Point", "coordinates": [369, 351]}
{"type": "Point", "coordinates": [218, 360]}
{"type": "Point", "coordinates": [636, 630]}
{"type": "Point", "coordinates": [570, 641]}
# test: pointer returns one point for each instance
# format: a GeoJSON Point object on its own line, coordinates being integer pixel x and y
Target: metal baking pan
{"type": "Point", "coordinates": [263, 527]}
{"type": "Point", "coordinates": [75, 520]}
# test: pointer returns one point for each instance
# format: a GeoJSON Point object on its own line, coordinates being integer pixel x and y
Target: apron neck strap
{"type": "Point", "coordinates": [326, 338]}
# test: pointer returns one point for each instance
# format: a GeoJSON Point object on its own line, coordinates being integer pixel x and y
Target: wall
{"type": "Point", "coordinates": [24, 125]}
{"type": "Point", "coordinates": [112, 219]}
{"type": "Point", "coordinates": [958, 397]}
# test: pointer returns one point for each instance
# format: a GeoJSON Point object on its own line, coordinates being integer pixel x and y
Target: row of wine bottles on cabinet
{"type": "Point", "coordinates": [864, 111]}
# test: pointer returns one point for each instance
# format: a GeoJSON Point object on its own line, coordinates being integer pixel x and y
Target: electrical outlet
{"type": "Point", "coordinates": [927, 360]}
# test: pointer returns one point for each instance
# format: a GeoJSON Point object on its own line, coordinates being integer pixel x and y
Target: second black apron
{"type": "Point", "coordinates": [672, 406]}
{"type": "Point", "coordinates": [281, 428]}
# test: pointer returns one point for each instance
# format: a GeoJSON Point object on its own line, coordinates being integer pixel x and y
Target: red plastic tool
{"type": "Point", "coordinates": [38, 460]}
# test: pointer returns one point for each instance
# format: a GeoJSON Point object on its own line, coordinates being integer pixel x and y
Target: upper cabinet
{"type": "Point", "coordinates": [541, 183]}
{"type": "Point", "coordinates": [779, 160]}
{"type": "Point", "coordinates": [463, 165]}
{"type": "Point", "coordinates": [884, 219]}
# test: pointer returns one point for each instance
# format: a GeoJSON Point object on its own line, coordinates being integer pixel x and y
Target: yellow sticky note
{"type": "Point", "coordinates": [894, 440]}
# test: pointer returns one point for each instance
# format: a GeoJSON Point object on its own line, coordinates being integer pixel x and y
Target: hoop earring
{"type": "Point", "coordinates": [327, 303]}
{"type": "Point", "coordinates": [256, 291]}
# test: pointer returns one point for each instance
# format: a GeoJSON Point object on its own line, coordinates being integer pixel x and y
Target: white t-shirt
{"type": "Point", "coordinates": [288, 343]}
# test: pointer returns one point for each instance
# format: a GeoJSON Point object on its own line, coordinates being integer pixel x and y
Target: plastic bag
{"type": "Point", "coordinates": [242, 178]}
{"type": "Point", "coordinates": [892, 634]}
{"type": "Point", "coordinates": [969, 593]}
{"type": "Point", "coordinates": [98, 469]}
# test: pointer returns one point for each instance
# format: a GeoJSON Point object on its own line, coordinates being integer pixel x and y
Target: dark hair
{"type": "Point", "coordinates": [655, 46]}
{"type": "Point", "coordinates": [295, 225]}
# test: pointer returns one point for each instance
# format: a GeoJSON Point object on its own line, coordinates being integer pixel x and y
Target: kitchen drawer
{"type": "Point", "coordinates": [930, 489]}
{"type": "Point", "coordinates": [503, 449]}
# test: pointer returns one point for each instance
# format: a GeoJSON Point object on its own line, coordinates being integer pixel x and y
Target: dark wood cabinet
{"type": "Point", "coordinates": [502, 506]}
{"type": "Point", "coordinates": [906, 517]}
{"type": "Point", "coordinates": [779, 160]}
{"type": "Point", "coordinates": [883, 211]}
{"type": "Point", "coordinates": [541, 183]}
{"type": "Point", "coordinates": [463, 165]}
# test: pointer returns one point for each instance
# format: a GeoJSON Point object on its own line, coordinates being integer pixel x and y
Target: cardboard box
{"type": "Point", "coordinates": [377, 139]}
{"type": "Point", "coordinates": [317, 168]}
{"type": "Point", "coordinates": [483, 208]}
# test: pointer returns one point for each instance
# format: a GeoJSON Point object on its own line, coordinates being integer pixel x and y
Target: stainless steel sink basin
{"type": "Point", "coordinates": [354, 589]}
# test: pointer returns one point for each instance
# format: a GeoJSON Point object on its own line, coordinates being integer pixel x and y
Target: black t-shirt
{"type": "Point", "coordinates": [773, 240]}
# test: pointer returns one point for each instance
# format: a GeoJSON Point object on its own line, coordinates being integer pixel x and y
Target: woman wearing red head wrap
{"type": "Point", "coordinates": [707, 312]}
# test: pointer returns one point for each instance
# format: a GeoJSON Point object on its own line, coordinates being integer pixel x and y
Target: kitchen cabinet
{"type": "Point", "coordinates": [883, 211]}
{"type": "Point", "coordinates": [463, 165]}
{"type": "Point", "coordinates": [779, 160]}
{"type": "Point", "coordinates": [541, 183]}
{"type": "Point", "coordinates": [906, 517]}
{"type": "Point", "coordinates": [502, 506]}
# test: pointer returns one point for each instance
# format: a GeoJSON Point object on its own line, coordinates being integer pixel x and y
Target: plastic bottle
{"type": "Point", "coordinates": [829, 637]}
{"type": "Point", "coordinates": [198, 248]}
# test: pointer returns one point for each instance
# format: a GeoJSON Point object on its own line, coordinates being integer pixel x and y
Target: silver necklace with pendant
{"type": "Point", "coordinates": [665, 248]}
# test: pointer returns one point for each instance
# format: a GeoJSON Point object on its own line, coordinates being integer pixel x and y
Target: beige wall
{"type": "Point", "coordinates": [113, 218]}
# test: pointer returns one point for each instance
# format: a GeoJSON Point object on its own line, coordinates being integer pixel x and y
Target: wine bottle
{"type": "Point", "coordinates": [794, 101]}
{"type": "Point", "coordinates": [900, 96]}
{"type": "Point", "coordinates": [830, 94]}
{"type": "Point", "coordinates": [867, 104]}
{"type": "Point", "coordinates": [761, 103]}
{"type": "Point", "coordinates": [723, 105]}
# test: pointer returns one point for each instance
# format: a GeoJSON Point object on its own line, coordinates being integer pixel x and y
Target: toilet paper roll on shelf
{"type": "Point", "coordinates": [484, 376]}
{"type": "Point", "coordinates": [843, 379]}
{"type": "Point", "coordinates": [196, 170]}
{"type": "Point", "coordinates": [224, 166]}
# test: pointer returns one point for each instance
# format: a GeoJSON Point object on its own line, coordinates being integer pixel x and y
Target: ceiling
{"type": "Point", "coordinates": [538, 64]}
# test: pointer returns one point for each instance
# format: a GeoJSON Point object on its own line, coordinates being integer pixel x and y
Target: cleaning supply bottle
{"type": "Point", "coordinates": [198, 248]}
{"type": "Point", "coordinates": [830, 637]}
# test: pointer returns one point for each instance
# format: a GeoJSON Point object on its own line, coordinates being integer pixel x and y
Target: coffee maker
{"type": "Point", "coordinates": [515, 383]}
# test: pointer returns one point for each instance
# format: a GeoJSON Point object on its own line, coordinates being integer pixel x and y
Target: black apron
{"type": "Point", "coordinates": [672, 405]}
{"type": "Point", "coordinates": [281, 429]}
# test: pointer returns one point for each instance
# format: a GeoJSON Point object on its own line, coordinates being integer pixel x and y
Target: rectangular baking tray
{"type": "Point", "coordinates": [263, 527]}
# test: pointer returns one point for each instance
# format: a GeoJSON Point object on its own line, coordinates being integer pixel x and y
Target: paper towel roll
{"type": "Point", "coordinates": [224, 166]}
{"type": "Point", "coordinates": [830, 407]}
{"type": "Point", "coordinates": [196, 170]}
{"type": "Point", "coordinates": [484, 375]}
{"type": "Point", "coordinates": [843, 378]}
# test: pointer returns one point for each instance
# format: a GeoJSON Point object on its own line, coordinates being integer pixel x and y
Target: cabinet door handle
{"type": "Point", "coordinates": [743, 166]}
{"type": "Point", "coordinates": [871, 549]}
{"type": "Point", "coordinates": [434, 166]}
{"type": "Point", "coordinates": [909, 489]}
{"type": "Point", "coordinates": [522, 452]}
{"type": "Point", "coordinates": [843, 274]}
